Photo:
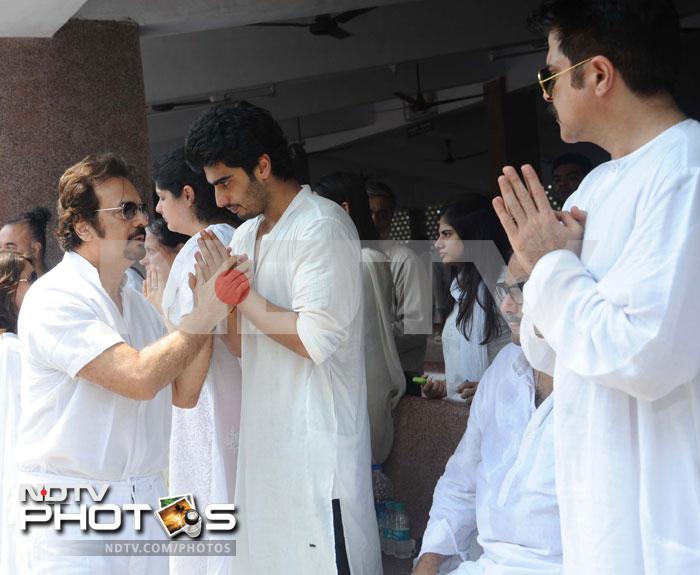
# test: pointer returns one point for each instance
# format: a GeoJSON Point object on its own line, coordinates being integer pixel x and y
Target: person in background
{"type": "Point", "coordinates": [568, 171]}
{"type": "Point", "coordinates": [412, 292]}
{"type": "Point", "coordinates": [385, 379]}
{"type": "Point", "coordinates": [16, 276]}
{"type": "Point", "coordinates": [161, 245]}
{"type": "Point", "coordinates": [204, 437]}
{"type": "Point", "coordinates": [26, 234]}
{"type": "Point", "coordinates": [500, 479]}
{"type": "Point", "coordinates": [474, 331]}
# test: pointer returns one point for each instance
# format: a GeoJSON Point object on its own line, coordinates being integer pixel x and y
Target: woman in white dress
{"type": "Point", "coordinates": [204, 440]}
{"type": "Point", "coordinates": [16, 276]}
{"type": "Point", "coordinates": [474, 331]}
{"type": "Point", "coordinates": [385, 380]}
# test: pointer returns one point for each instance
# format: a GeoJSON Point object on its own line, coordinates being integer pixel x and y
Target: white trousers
{"type": "Point", "coordinates": [42, 549]}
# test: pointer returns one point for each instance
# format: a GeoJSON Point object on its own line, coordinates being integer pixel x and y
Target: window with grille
{"type": "Point", "coordinates": [401, 225]}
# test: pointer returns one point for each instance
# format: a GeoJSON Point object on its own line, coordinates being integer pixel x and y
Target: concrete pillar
{"type": "Point", "coordinates": [62, 98]}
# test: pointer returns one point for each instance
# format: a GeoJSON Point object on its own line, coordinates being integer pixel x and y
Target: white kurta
{"type": "Point", "coordinates": [466, 359]}
{"type": "Point", "coordinates": [9, 417]}
{"type": "Point", "coordinates": [204, 439]}
{"type": "Point", "coordinates": [71, 429]}
{"type": "Point", "coordinates": [622, 321]}
{"type": "Point", "coordinates": [500, 480]}
{"type": "Point", "coordinates": [386, 383]}
{"type": "Point", "coordinates": [304, 427]}
{"type": "Point", "coordinates": [412, 304]}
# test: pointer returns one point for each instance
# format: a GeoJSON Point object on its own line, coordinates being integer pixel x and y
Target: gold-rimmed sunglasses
{"type": "Point", "coordinates": [546, 79]}
{"type": "Point", "coordinates": [128, 210]}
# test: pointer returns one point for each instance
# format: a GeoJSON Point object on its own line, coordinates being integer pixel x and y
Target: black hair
{"type": "Point", "coordinates": [347, 187]}
{"type": "Point", "coordinates": [159, 228]}
{"type": "Point", "coordinates": [381, 190]}
{"type": "Point", "coordinates": [581, 161]}
{"type": "Point", "coordinates": [640, 37]}
{"type": "Point", "coordinates": [172, 173]}
{"type": "Point", "coordinates": [473, 218]}
{"type": "Point", "coordinates": [36, 220]}
{"type": "Point", "coordinates": [237, 134]}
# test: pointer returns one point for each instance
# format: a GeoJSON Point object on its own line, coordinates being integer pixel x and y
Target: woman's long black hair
{"type": "Point", "coordinates": [473, 218]}
{"type": "Point", "coordinates": [350, 188]}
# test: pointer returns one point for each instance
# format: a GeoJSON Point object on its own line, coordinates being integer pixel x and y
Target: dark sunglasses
{"type": "Point", "coordinates": [128, 210]}
{"type": "Point", "coordinates": [30, 280]}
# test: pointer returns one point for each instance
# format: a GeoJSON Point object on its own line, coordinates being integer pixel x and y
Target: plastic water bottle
{"type": "Point", "coordinates": [380, 510]}
{"type": "Point", "coordinates": [382, 487]}
{"type": "Point", "coordinates": [383, 493]}
{"type": "Point", "coordinates": [403, 544]}
{"type": "Point", "coordinates": [388, 534]}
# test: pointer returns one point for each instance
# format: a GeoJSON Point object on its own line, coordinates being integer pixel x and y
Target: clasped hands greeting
{"type": "Point", "coordinates": [212, 260]}
{"type": "Point", "coordinates": [533, 227]}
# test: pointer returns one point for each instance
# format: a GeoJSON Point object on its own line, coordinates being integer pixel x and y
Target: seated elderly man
{"type": "Point", "coordinates": [500, 479]}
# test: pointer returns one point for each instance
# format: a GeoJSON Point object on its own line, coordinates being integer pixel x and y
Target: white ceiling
{"type": "Point", "coordinates": [339, 91]}
{"type": "Point", "coordinates": [182, 16]}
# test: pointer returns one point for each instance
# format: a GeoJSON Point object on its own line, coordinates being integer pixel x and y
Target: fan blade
{"type": "Point", "coordinates": [168, 106]}
{"type": "Point", "coordinates": [406, 98]}
{"type": "Point", "coordinates": [474, 155]}
{"type": "Point", "coordinates": [281, 25]}
{"type": "Point", "coordinates": [452, 100]}
{"type": "Point", "coordinates": [338, 33]}
{"type": "Point", "coordinates": [350, 14]}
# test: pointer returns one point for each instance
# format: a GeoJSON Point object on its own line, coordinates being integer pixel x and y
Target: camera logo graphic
{"type": "Point", "coordinates": [178, 514]}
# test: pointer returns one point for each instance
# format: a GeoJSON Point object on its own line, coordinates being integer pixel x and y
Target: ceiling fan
{"type": "Point", "coordinates": [419, 103]}
{"type": "Point", "coordinates": [168, 106]}
{"type": "Point", "coordinates": [450, 158]}
{"type": "Point", "coordinates": [323, 24]}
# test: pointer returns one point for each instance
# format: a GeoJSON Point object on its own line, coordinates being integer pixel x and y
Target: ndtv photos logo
{"type": "Point", "coordinates": [85, 505]}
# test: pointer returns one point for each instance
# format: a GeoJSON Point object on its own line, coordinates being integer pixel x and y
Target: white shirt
{"type": "Point", "coordinates": [204, 439]}
{"type": "Point", "coordinates": [623, 322]}
{"type": "Point", "coordinates": [412, 304]}
{"type": "Point", "coordinates": [69, 425]}
{"type": "Point", "coordinates": [467, 359]}
{"type": "Point", "coordinates": [304, 426]}
{"type": "Point", "coordinates": [9, 415]}
{"type": "Point", "coordinates": [500, 479]}
{"type": "Point", "coordinates": [386, 383]}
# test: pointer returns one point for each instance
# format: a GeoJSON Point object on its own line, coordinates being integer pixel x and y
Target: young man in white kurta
{"type": "Point", "coordinates": [303, 491]}
{"type": "Point", "coordinates": [500, 479]}
{"type": "Point", "coordinates": [304, 427]}
{"type": "Point", "coordinates": [621, 314]}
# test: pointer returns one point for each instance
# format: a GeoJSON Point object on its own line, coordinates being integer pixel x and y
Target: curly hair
{"type": "Point", "coordinates": [77, 200]}
{"type": "Point", "coordinates": [237, 134]}
{"type": "Point", "coordinates": [11, 266]}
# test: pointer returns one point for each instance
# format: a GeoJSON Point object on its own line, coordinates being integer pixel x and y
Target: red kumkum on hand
{"type": "Point", "coordinates": [232, 287]}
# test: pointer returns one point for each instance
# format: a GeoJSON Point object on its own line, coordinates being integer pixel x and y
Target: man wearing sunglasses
{"type": "Point", "coordinates": [500, 480]}
{"type": "Point", "coordinates": [619, 309]}
{"type": "Point", "coordinates": [99, 375]}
